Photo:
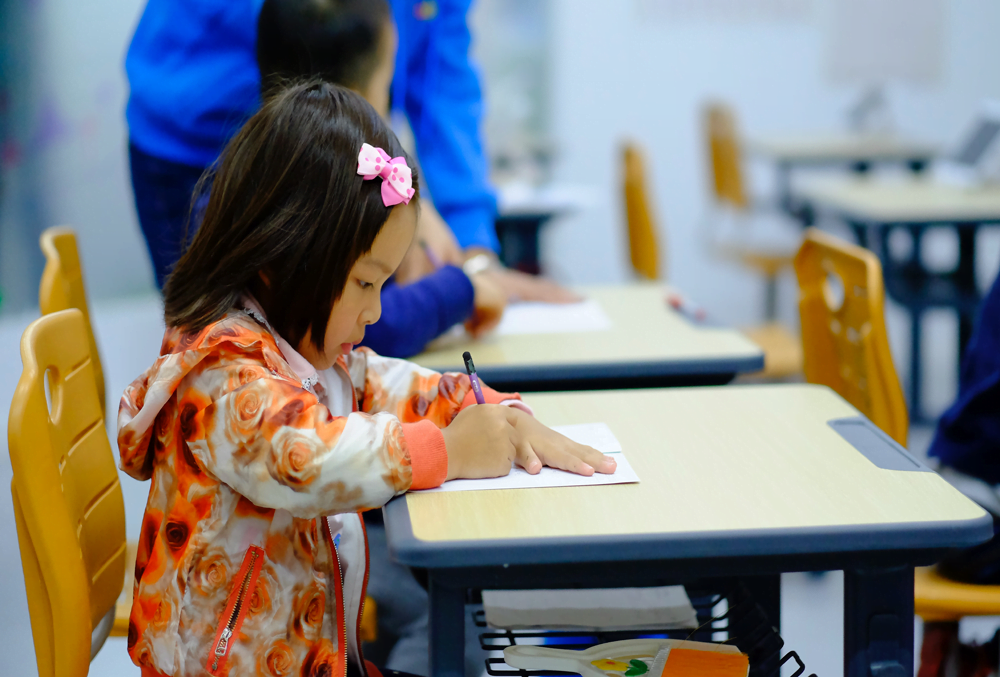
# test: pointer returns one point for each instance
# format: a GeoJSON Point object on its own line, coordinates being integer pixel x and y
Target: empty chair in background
{"type": "Point", "coordinates": [736, 234]}
{"type": "Point", "coordinates": [782, 353]}
{"type": "Point", "coordinates": [68, 502]}
{"type": "Point", "coordinates": [844, 340]}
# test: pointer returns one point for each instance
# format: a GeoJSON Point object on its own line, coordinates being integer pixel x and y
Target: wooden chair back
{"type": "Point", "coordinates": [68, 502]}
{"type": "Point", "coordinates": [725, 159]}
{"type": "Point", "coordinates": [62, 288]}
{"type": "Point", "coordinates": [644, 249]}
{"type": "Point", "coordinates": [844, 340]}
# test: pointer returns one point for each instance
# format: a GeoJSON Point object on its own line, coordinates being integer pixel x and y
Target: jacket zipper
{"type": "Point", "coordinates": [343, 602]}
{"type": "Point", "coordinates": [222, 644]}
{"type": "Point", "coordinates": [364, 597]}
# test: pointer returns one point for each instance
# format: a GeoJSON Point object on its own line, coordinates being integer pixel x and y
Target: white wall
{"type": "Point", "coordinates": [617, 75]}
{"type": "Point", "coordinates": [66, 158]}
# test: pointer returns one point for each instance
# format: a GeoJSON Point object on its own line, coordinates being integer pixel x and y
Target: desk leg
{"type": "Point", "coordinates": [447, 631]}
{"type": "Point", "coordinates": [860, 233]}
{"type": "Point", "coordinates": [766, 591]}
{"type": "Point", "coordinates": [965, 279]}
{"type": "Point", "coordinates": [878, 623]}
{"type": "Point", "coordinates": [916, 370]}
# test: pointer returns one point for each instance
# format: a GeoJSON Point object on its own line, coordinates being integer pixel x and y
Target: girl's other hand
{"type": "Point", "coordinates": [486, 439]}
{"type": "Point", "coordinates": [523, 287]}
{"type": "Point", "coordinates": [490, 301]}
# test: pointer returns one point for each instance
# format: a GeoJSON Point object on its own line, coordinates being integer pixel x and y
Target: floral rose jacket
{"type": "Point", "coordinates": [253, 557]}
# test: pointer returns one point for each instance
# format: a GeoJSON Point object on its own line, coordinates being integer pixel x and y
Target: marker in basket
{"type": "Point", "coordinates": [471, 369]}
{"type": "Point", "coordinates": [688, 309]}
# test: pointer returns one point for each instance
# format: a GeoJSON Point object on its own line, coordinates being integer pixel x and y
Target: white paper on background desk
{"type": "Point", "coordinates": [597, 435]}
{"type": "Point", "coordinates": [553, 318]}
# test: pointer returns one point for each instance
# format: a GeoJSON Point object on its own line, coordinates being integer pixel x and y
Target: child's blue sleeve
{"type": "Point", "coordinates": [439, 90]}
{"type": "Point", "coordinates": [968, 434]}
{"type": "Point", "coordinates": [414, 314]}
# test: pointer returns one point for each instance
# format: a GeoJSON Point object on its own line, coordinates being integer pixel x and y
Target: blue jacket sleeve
{"type": "Point", "coordinates": [415, 314]}
{"type": "Point", "coordinates": [439, 91]}
{"type": "Point", "coordinates": [968, 434]}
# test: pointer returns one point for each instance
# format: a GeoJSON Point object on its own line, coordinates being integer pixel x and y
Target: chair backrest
{"type": "Point", "coordinates": [67, 498]}
{"type": "Point", "coordinates": [642, 233]}
{"type": "Point", "coordinates": [62, 288]}
{"type": "Point", "coordinates": [844, 342]}
{"type": "Point", "coordinates": [724, 156]}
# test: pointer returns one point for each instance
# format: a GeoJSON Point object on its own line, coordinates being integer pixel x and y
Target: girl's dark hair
{"type": "Point", "coordinates": [286, 202]}
{"type": "Point", "coordinates": [336, 40]}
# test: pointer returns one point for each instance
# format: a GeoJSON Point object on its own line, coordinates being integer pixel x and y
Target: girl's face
{"type": "Point", "coordinates": [359, 305]}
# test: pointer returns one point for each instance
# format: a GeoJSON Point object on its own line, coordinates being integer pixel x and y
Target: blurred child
{"type": "Point", "coordinates": [967, 445]}
{"type": "Point", "coordinates": [353, 43]}
{"type": "Point", "coordinates": [264, 432]}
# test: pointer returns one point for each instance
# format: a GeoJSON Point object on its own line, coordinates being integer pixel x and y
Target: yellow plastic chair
{"type": "Point", "coordinates": [62, 288]}
{"type": "Point", "coordinates": [67, 499]}
{"type": "Point", "coordinates": [644, 250]}
{"type": "Point", "coordinates": [781, 346]}
{"type": "Point", "coordinates": [728, 190]}
{"type": "Point", "coordinates": [848, 350]}
{"type": "Point", "coordinates": [782, 353]}
{"type": "Point", "coordinates": [844, 340]}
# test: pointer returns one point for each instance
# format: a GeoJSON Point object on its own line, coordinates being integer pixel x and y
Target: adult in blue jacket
{"type": "Point", "coordinates": [194, 81]}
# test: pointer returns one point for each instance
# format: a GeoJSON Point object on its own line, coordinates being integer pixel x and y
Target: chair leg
{"type": "Point", "coordinates": [771, 298]}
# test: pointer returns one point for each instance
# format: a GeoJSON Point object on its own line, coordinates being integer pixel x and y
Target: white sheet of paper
{"type": "Point", "coordinates": [553, 318]}
{"type": "Point", "coordinates": [597, 435]}
{"type": "Point", "coordinates": [606, 609]}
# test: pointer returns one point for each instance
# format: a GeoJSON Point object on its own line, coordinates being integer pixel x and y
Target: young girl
{"type": "Point", "coordinates": [264, 433]}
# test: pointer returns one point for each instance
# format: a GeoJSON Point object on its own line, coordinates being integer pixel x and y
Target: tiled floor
{"type": "Point", "coordinates": [129, 333]}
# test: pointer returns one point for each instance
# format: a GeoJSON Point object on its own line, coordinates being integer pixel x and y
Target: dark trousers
{"type": "Point", "coordinates": [163, 200]}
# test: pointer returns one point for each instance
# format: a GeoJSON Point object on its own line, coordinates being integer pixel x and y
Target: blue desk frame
{"type": "Point", "coordinates": [877, 561]}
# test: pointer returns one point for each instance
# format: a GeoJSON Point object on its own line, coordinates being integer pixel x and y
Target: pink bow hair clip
{"type": "Point", "coordinates": [397, 178]}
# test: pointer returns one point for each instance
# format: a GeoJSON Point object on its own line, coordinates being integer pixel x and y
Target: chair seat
{"type": "Point", "coordinates": [768, 260]}
{"type": "Point", "coordinates": [938, 599]}
{"type": "Point", "coordinates": [782, 349]}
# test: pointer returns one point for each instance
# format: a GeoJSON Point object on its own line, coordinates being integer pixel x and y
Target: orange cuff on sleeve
{"type": "Point", "coordinates": [491, 396]}
{"type": "Point", "coordinates": [428, 457]}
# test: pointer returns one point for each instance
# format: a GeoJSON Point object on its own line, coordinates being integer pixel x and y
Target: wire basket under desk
{"type": "Point", "coordinates": [722, 618]}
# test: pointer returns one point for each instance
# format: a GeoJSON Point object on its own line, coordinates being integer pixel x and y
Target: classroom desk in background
{"type": "Point", "coordinates": [523, 209]}
{"type": "Point", "coordinates": [856, 151]}
{"type": "Point", "coordinates": [740, 481]}
{"type": "Point", "coordinates": [874, 208]}
{"type": "Point", "coordinates": [647, 345]}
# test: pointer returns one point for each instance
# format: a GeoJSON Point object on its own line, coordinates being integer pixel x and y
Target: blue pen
{"type": "Point", "coordinates": [471, 369]}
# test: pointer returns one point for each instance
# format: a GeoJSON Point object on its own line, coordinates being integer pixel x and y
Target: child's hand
{"type": "Point", "coordinates": [490, 301]}
{"type": "Point", "coordinates": [558, 451]}
{"type": "Point", "coordinates": [485, 439]}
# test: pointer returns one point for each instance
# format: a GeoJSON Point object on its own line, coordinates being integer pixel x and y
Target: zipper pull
{"type": "Point", "coordinates": [223, 642]}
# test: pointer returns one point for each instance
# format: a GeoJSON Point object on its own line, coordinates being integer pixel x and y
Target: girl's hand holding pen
{"type": "Point", "coordinates": [485, 440]}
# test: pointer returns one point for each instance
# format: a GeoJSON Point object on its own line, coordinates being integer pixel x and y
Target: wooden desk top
{"type": "Point", "coordinates": [918, 200]}
{"type": "Point", "coordinates": [732, 471]}
{"type": "Point", "coordinates": [646, 336]}
{"type": "Point", "coordinates": [839, 147]}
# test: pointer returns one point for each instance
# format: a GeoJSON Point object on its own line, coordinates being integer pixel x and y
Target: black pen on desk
{"type": "Point", "coordinates": [471, 369]}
